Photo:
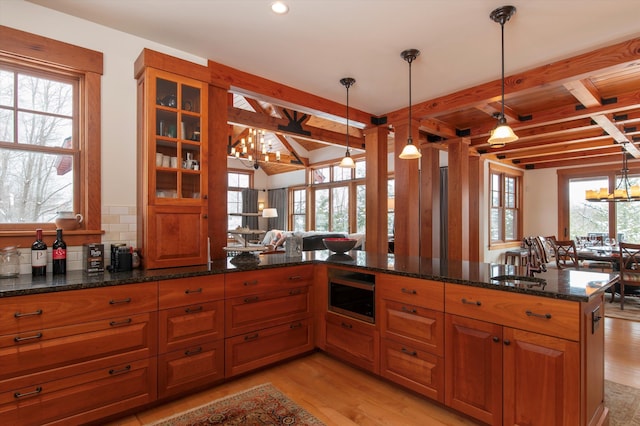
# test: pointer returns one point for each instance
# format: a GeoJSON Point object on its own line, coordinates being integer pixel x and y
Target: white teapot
{"type": "Point", "coordinates": [69, 220]}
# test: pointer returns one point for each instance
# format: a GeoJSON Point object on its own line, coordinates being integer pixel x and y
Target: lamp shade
{"type": "Point", "coordinates": [347, 162]}
{"type": "Point", "coordinates": [270, 212]}
{"type": "Point", "coordinates": [502, 135]}
{"type": "Point", "coordinates": [409, 152]}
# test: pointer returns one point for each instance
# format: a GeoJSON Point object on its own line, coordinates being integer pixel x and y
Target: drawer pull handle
{"type": "Point", "coordinates": [189, 291]}
{"type": "Point", "coordinates": [408, 352]}
{"type": "Point", "coordinates": [253, 282]}
{"type": "Point", "coordinates": [117, 323]}
{"type": "Point", "coordinates": [406, 290]}
{"type": "Point", "coordinates": [251, 337]}
{"type": "Point", "coordinates": [193, 310]}
{"type": "Point", "coordinates": [410, 311]}
{"type": "Point", "coordinates": [294, 292]}
{"type": "Point", "coordinates": [32, 393]}
{"type": "Point", "coordinates": [470, 302]}
{"type": "Point", "coordinates": [27, 314]}
{"type": "Point", "coordinates": [117, 302]}
{"type": "Point", "coordinates": [22, 339]}
{"type": "Point", "coordinates": [251, 299]}
{"type": "Point", "coordinates": [114, 372]}
{"type": "Point", "coordinates": [345, 325]}
{"type": "Point", "coordinates": [195, 351]}
{"type": "Point", "coordinates": [295, 278]}
{"type": "Point", "coordinates": [533, 314]}
{"type": "Point", "coordinates": [296, 325]}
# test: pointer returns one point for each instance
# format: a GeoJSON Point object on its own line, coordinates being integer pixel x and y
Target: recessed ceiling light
{"type": "Point", "coordinates": [279, 7]}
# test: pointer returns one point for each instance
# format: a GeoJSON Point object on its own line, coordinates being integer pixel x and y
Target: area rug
{"type": "Point", "coordinates": [623, 403]}
{"type": "Point", "coordinates": [262, 405]}
{"type": "Point", "coordinates": [631, 308]}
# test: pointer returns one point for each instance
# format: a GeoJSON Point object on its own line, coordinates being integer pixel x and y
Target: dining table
{"type": "Point", "coordinates": [600, 254]}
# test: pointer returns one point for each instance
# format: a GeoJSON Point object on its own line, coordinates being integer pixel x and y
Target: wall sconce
{"type": "Point", "coordinates": [260, 207]}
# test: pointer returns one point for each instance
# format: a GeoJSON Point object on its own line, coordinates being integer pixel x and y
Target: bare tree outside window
{"type": "Point", "coordinates": [37, 154]}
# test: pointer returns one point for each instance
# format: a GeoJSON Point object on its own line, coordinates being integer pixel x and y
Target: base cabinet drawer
{"type": "Point", "coordinates": [353, 341]}
{"type": "Point", "coordinates": [413, 368]}
{"type": "Point", "coordinates": [57, 348]}
{"type": "Point", "coordinates": [189, 368]}
{"type": "Point", "coordinates": [414, 325]}
{"type": "Point", "coordinates": [190, 325]}
{"type": "Point", "coordinates": [81, 398]}
{"type": "Point", "coordinates": [257, 349]}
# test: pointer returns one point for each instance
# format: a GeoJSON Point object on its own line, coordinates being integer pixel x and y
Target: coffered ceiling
{"type": "Point", "coordinates": [573, 67]}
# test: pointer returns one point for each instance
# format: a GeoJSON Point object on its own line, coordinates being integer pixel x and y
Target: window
{"type": "Point", "coordinates": [505, 224]}
{"type": "Point", "coordinates": [299, 210]}
{"type": "Point", "coordinates": [579, 218]}
{"type": "Point", "coordinates": [339, 198]}
{"type": "Point", "coordinates": [236, 182]}
{"type": "Point", "coordinates": [49, 136]}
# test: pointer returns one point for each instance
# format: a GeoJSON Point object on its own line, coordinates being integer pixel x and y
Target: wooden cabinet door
{"type": "Point", "coordinates": [413, 325]}
{"type": "Point", "coordinates": [413, 368]}
{"type": "Point", "coordinates": [249, 313]}
{"type": "Point", "coordinates": [541, 379]}
{"type": "Point", "coordinates": [353, 341]}
{"type": "Point", "coordinates": [188, 368]}
{"type": "Point", "coordinates": [473, 370]}
{"type": "Point", "coordinates": [177, 236]}
{"type": "Point", "coordinates": [263, 347]}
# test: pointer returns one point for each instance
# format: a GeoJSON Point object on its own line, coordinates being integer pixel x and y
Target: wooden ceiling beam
{"type": "Point", "coordinates": [250, 119]}
{"type": "Point", "coordinates": [279, 94]}
{"type": "Point", "coordinates": [585, 92]}
{"type": "Point", "coordinates": [438, 128]}
{"type": "Point", "coordinates": [283, 140]}
{"type": "Point", "coordinates": [573, 162]}
{"type": "Point", "coordinates": [577, 67]}
{"type": "Point", "coordinates": [611, 128]}
{"type": "Point", "coordinates": [563, 148]}
{"type": "Point", "coordinates": [599, 152]}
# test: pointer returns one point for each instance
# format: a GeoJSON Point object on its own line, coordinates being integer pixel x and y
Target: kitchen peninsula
{"type": "Point", "coordinates": [162, 333]}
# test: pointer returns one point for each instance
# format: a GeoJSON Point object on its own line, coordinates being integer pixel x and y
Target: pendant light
{"type": "Point", "coordinates": [410, 151]}
{"type": "Point", "coordinates": [502, 134]}
{"type": "Point", "coordinates": [347, 161]}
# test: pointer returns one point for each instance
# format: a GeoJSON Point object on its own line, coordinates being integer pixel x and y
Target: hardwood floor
{"type": "Point", "coordinates": [340, 395]}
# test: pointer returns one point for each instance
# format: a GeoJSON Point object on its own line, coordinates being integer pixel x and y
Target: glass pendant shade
{"type": "Point", "coordinates": [409, 152]}
{"type": "Point", "coordinates": [347, 161]}
{"type": "Point", "coordinates": [502, 135]}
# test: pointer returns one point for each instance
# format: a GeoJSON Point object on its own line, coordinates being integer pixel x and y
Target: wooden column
{"type": "Point", "coordinates": [430, 202]}
{"type": "Point", "coordinates": [407, 194]}
{"type": "Point", "coordinates": [217, 180]}
{"type": "Point", "coordinates": [375, 140]}
{"type": "Point", "coordinates": [476, 208]}
{"type": "Point", "coordinates": [458, 194]}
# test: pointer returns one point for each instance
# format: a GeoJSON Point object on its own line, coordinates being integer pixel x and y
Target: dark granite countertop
{"type": "Point", "coordinates": [560, 284]}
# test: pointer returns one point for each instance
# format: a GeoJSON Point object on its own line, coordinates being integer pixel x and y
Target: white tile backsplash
{"type": "Point", "coordinates": [120, 226]}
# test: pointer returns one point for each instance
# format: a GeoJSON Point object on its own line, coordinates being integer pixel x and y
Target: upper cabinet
{"type": "Point", "coordinates": [172, 164]}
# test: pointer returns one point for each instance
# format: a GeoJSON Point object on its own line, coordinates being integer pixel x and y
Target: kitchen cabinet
{"type": "Point", "coordinates": [352, 340]}
{"type": "Point", "coordinates": [172, 166]}
{"type": "Point", "coordinates": [521, 359]}
{"type": "Point", "coordinates": [411, 322]}
{"type": "Point", "coordinates": [191, 333]}
{"type": "Point", "coordinates": [268, 317]}
{"type": "Point", "coordinates": [77, 356]}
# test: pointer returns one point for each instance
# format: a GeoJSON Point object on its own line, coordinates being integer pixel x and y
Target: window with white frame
{"type": "Point", "coordinates": [505, 224]}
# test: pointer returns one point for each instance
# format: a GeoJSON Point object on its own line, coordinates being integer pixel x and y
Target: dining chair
{"type": "Point", "coordinates": [566, 254]}
{"type": "Point", "coordinates": [629, 269]}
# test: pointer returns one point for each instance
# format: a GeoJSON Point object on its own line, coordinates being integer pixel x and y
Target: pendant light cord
{"type": "Point", "coordinates": [410, 60]}
{"type": "Point", "coordinates": [502, 31]}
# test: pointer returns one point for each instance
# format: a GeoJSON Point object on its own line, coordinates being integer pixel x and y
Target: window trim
{"type": "Point", "coordinates": [34, 51]}
{"type": "Point", "coordinates": [519, 175]}
{"type": "Point", "coordinates": [611, 171]}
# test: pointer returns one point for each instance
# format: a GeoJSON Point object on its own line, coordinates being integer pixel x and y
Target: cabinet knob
{"type": "Point", "coordinates": [205, 216]}
{"type": "Point", "coordinates": [495, 339]}
{"type": "Point", "coordinates": [205, 197]}
{"type": "Point", "coordinates": [507, 342]}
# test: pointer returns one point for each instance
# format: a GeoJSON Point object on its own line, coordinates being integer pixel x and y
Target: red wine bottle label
{"type": "Point", "coordinates": [38, 258]}
{"type": "Point", "coordinates": [59, 253]}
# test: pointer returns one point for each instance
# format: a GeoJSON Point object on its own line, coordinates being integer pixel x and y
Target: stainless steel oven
{"type": "Point", "coordinates": [353, 295]}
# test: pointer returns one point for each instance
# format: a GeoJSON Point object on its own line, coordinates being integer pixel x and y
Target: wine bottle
{"type": "Point", "coordinates": [38, 256]}
{"type": "Point", "coordinates": [59, 254]}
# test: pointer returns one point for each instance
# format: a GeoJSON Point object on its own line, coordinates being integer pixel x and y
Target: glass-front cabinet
{"type": "Point", "coordinates": [172, 175]}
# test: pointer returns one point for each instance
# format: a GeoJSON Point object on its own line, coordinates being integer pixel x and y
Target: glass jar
{"type": "Point", "coordinates": [9, 262]}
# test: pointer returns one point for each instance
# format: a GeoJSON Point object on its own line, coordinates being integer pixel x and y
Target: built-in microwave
{"type": "Point", "coordinates": [353, 295]}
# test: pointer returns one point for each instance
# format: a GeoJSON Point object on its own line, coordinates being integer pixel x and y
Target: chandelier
{"type": "Point", "coordinates": [624, 190]}
{"type": "Point", "coordinates": [254, 149]}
